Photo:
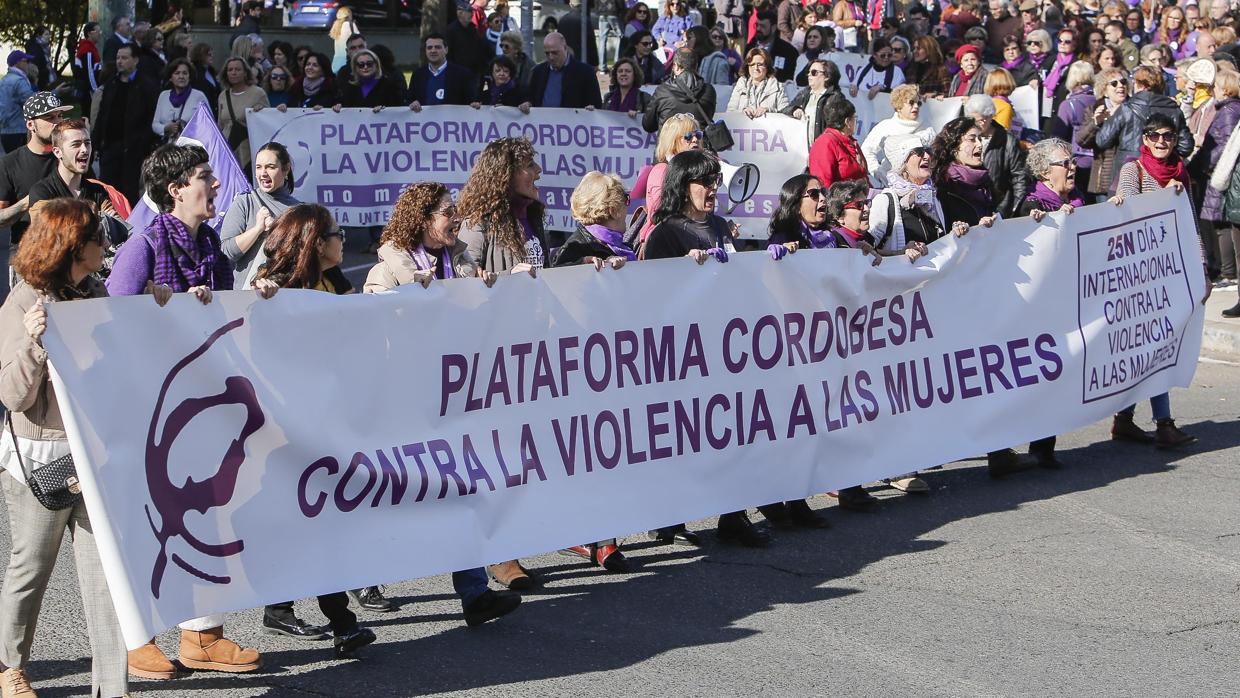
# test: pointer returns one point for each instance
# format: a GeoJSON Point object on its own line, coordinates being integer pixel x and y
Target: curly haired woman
{"type": "Point", "coordinates": [420, 241]}
{"type": "Point", "coordinates": [502, 228]}
{"type": "Point", "coordinates": [501, 216]}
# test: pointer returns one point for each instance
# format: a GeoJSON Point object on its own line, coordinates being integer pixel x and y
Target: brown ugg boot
{"type": "Point", "coordinates": [149, 662]}
{"type": "Point", "coordinates": [210, 650]}
{"type": "Point", "coordinates": [512, 575]}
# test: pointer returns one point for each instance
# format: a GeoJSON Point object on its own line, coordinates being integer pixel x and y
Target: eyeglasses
{"type": "Point", "coordinates": [814, 194]}
{"type": "Point", "coordinates": [711, 182]}
{"type": "Point", "coordinates": [365, 64]}
{"type": "Point", "coordinates": [1066, 164]}
{"type": "Point", "coordinates": [338, 233]}
{"type": "Point", "coordinates": [858, 205]}
{"type": "Point", "coordinates": [693, 136]}
{"type": "Point", "coordinates": [1162, 136]}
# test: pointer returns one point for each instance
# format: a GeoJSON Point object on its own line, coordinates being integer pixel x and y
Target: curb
{"type": "Point", "coordinates": [1221, 334]}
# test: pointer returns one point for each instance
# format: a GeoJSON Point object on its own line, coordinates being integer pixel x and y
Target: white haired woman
{"type": "Point", "coordinates": [1001, 155]}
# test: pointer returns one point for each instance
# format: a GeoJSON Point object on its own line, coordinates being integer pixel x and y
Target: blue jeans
{"type": "Point", "coordinates": [470, 584]}
{"type": "Point", "coordinates": [1160, 405]}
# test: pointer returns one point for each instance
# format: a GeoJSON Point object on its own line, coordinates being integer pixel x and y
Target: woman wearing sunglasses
{"type": "Point", "coordinates": [672, 25]}
{"type": "Point", "coordinates": [1110, 90]}
{"type": "Point", "coordinates": [638, 19]}
{"type": "Point", "coordinates": [686, 225]}
{"type": "Point", "coordinates": [641, 49]}
{"type": "Point", "coordinates": [678, 134]}
{"type": "Point", "coordinates": [420, 242]}
{"type": "Point", "coordinates": [1160, 166]}
{"type": "Point", "coordinates": [367, 85]}
{"type": "Point", "coordinates": [810, 104]}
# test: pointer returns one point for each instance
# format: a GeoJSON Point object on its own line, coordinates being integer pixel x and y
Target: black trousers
{"type": "Point", "coordinates": [334, 606]}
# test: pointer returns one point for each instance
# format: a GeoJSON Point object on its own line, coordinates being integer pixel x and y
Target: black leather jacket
{"type": "Point", "coordinates": [1123, 128]}
{"type": "Point", "coordinates": [1005, 162]}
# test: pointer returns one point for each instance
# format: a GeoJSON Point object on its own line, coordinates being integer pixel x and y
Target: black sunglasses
{"type": "Point", "coordinates": [814, 194]}
{"type": "Point", "coordinates": [692, 136]}
{"type": "Point", "coordinates": [365, 64]}
{"type": "Point", "coordinates": [1164, 136]}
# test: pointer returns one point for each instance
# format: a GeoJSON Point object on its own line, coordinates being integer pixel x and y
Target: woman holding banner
{"type": "Point", "coordinates": [625, 93]}
{"type": "Point", "coordinates": [316, 88]}
{"type": "Point", "coordinates": [60, 252]}
{"type": "Point", "coordinates": [502, 228]}
{"type": "Point", "coordinates": [420, 242]}
{"type": "Point", "coordinates": [1160, 166]}
{"type": "Point", "coordinates": [679, 133]}
{"type": "Point", "coordinates": [686, 225]}
{"type": "Point", "coordinates": [367, 86]}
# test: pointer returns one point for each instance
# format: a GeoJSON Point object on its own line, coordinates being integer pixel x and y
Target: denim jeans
{"type": "Point", "coordinates": [470, 584]}
{"type": "Point", "coordinates": [1160, 405]}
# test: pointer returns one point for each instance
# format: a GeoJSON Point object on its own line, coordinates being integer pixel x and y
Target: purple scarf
{"type": "Point", "coordinates": [183, 260]}
{"type": "Point", "coordinates": [425, 260]}
{"type": "Point", "coordinates": [1013, 65]}
{"type": "Point", "coordinates": [629, 103]}
{"type": "Point", "coordinates": [179, 99]}
{"type": "Point", "coordinates": [818, 239]}
{"type": "Point", "coordinates": [1062, 61]}
{"type": "Point", "coordinates": [614, 239]}
{"type": "Point", "coordinates": [1051, 201]}
{"type": "Point", "coordinates": [497, 92]}
{"type": "Point", "coordinates": [1039, 61]}
{"type": "Point", "coordinates": [367, 85]}
{"type": "Point", "coordinates": [973, 185]}
{"type": "Point", "coordinates": [520, 207]}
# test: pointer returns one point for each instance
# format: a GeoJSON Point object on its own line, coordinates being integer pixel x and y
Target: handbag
{"type": "Point", "coordinates": [237, 134]}
{"type": "Point", "coordinates": [716, 135]}
{"type": "Point", "coordinates": [54, 484]}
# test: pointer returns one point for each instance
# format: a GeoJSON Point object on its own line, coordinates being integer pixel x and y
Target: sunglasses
{"type": "Point", "coordinates": [919, 151]}
{"type": "Point", "coordinates": [1033, 43]}
{"type": "Point", "coordinates": [693, 136]}
{"type": "Point", "coordinates": [1066, 164]}
{"type": "Point", "coordinates": [898, 49]}
{"type": "Point", "coordinates": [814, 194]}
{"type": "Point", "coordinates": [335, 234]}
{"type": "Point", "coordinates": [365, 64]}
{"type": "Point", "coordinates": [448, 211]}
{"type": "Point", "coordinates": [816, 72]}
{"type": "Point", "coordinates": [1162, 136]}
{"type": "Point", "coordinates": [713, 182]}
{"type": "Point", "coordinates": [1118, 83]}
{"type": "Point", "coordinates": [858, 205]}
{"type": "Point", "coordinates": [279, 76]}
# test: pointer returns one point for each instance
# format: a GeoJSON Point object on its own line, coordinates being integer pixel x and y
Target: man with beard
{"type": "Point", "coordinates": [783, 55]}
{"type": "Point", "coordinates": [124, 101]}
{"type": "Point", "coordinates": [22, 168]}
{"type": "Point", "coordinates": [684, 93]}
{"type": "Point", "coordinates": [562, 80]}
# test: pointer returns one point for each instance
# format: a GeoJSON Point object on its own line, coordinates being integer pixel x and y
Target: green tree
{"type": "Point", "coordinates": [19, 18]}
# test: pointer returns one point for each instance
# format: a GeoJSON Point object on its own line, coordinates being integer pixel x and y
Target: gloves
{"type": "Point", "coordinates": [777, 252]}
{"type": "Point", "coordinates": [720, 254]}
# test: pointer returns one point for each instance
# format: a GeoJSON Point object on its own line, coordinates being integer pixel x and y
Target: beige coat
{"type": "Point", "coordinates": [25, 388]}
{"type": "Point", "coordinates": [397, 268]}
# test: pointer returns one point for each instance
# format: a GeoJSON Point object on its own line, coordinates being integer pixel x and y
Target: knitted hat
{"type": "Point", "coordinates": [966, 50]}
{"type": "Point", "coordinates": [1201, 72]}
{"type": "Point", "coordinates": [897, 148]}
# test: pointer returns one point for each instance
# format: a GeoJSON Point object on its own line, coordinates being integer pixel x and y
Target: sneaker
{"type": "Point", "coordinates": [1225, 283]}
{"type": "Point", "coordinates": [909, 483]}
{"type": "Point", "coordinates": [372, 599]}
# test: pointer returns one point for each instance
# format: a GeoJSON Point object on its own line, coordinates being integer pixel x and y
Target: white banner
{"type": "Point", "coordinates": [254, 451]}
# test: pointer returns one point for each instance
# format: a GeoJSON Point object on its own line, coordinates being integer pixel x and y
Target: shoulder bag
{"type": "Point", "coordinates": [54, 484]}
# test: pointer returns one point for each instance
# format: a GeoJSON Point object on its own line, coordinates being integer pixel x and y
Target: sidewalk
{"type": "Point", "coordinates": [1221, 334]}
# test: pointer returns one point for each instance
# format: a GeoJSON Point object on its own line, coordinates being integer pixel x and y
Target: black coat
{"type": "Point", "coordinates": [467, 49]}
{"type": "Point", "coordinates": [514, 97]}
{"type": "Point", "coordinates": [643, 100]}
{"type": "Point", "coordinates": [578, 90]}
{"type": "Point", "coordinates": [577, 247]}
{"type": "Point", "coordinates": [802, 98]}
{"type": "Point", "coordinates": [385, 94]}
{"type": "Point", "coordinates": [787, 69]}
{"type": "Point", "coordinates": [1123, 128]}
{"type": "Point", "coordinates": [139, 111]}
{"type": "Point", "coordinates": [460, 88]}
{"type": "Point", "coordinates": [211, 91]}
{"type": "Point", "coordinates": [325, 97]}
{"type": "Point", "coordinates": [570, 27]}
{"type": "Point", "coordinates": [1005, 161]}
{"type": "Point", "coordinates": [685, 94]}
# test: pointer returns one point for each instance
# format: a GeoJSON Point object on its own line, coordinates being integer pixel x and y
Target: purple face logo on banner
{"type": "Point", "coordinates": [173, 501]}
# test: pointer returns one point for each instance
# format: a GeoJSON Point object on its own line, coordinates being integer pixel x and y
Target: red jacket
{"type": "Point", "coordinates": [835, 157]}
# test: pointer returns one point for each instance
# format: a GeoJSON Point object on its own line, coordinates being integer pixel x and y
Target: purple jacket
{"type": "Point", "coordinates": [1226, 116]}
{"type": "Point", "coordinates": [1074, 111]}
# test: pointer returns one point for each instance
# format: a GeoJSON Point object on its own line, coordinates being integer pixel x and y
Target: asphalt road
{"type": "Point", "coordinates": [1118, 576]}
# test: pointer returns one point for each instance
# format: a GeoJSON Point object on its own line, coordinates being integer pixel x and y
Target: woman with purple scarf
{"type": "Point", "coordinates": [367, 86]}
{"type": "Point", "coordinates": [501, 87]}
{"type": "Point", "coordinates": [626, 94]}
{"type": "Point", "coordinates": [177, 103]}
{"type": "Point", "coordinates": [1057, 74]}
{"type": "Point", "coordinates": [179, 253]}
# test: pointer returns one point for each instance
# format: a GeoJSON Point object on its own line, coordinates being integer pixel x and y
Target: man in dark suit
{"type": "Point", "coordinates": [783, 55]}
{"type": "Point", "coordinates": [440, 81]}
{"type": "Point", "coordinates": [251, 19]}
{"type": "Point", "coordinates": [464, 45]}
{"type": "Point", "coordinates": [561, 80]}
{"type": "Point", "coordinates": [127, 99]}
{"type": "Point", "coordinates": [122, 35]}
{"type": "Point", "coordinates": [570, 27]}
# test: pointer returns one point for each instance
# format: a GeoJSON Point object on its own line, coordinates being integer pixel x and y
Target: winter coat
{"type": "Point", "coordinates": [1077, 109]}
{"type": "Point", "coordinates": [1222, 195]}
{"type": "Point", "coordinates": [397, 268]}
{"type": "Point", "coordinates": [872, 146]}
{"type": "Point", "coordinates": [976, 87]}
{"type": "Point", "coordinates": [684, 94]}
{"type": "Point", "coordinates": [1123, 128]}
{"type": "Point", "coordinates": [836, 158]}
{"type": "Point", "coordinates": [1226, 117]}
{"type": "Point", "coordinates": [1102, 172]}
{"type": "Point", "coordinates": [1005, 161]}
{"type": "Point", "coordinates": [715, 69]}
{"type": "Point", "coordinates": [749, 94]}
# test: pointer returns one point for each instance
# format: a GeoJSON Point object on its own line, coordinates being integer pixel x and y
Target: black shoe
{"type": "Point", "coordinates": [372, 599]}
{"type": "Point", "coordinates": [855, 499]}
{"type": "Point", "coordinates": [676, 535]}
{"type": "Point", "coordinates": [802, 515]}
{"type": "Point", "coordinates": [294, 627]}
{"type": "Point", "coordinates": [347, 644]}
{"type": "Point", "coordinates": [777, 515]}
{"type": "Point", "coordinates": [1233, 311]}
{"type": "Point", "coordinates": [1005, 462]}
{"type": "Point", "coordinates": [739, 530]}
{"type": "Point", "coordinates": [491, 605]}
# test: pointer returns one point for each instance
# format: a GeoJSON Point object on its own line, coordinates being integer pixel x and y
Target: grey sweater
{"type": "Point", "coordinates": [242, 213]}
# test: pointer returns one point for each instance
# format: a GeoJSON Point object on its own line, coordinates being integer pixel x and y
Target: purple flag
{"type": "Point", "coordinates": [202, 130]}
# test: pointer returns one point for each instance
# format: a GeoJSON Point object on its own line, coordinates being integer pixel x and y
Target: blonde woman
{"type": "Point", "coordinates": [999, 86]}
{"type": "Point", "coordinates": [344, 27]}
{"type": "Point", "coordinates": [906, 100]}
{"type": "Point", "coordinates": [679, 133]}
{"type": "Point", "coordinates": [238, 94]}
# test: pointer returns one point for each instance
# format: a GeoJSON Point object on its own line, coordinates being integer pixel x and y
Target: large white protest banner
{"type": "Point", "coordinates": [251, 451]}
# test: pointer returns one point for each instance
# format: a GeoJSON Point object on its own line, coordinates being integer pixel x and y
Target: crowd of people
{"type": "Point", "coordinates": [1142, 98]}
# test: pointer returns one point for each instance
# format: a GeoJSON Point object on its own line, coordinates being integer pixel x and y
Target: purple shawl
{"type": "Point", "coordinates": [178, 99]}
{"type": "Point", "coordinates": [425, 260]}
{"type": "Point", "coordinates": [183, 260]}
{"type": "Point", "coordinates": [1050, 201]}
{"type": "Point", "coordinates": [614, 239]}
{"type": "Point", "coordinates": [818, 239]}
{"type": "Point", "coordinates": [973, 185]}
{"type": "Point", "coordinates": [1062, 61]}
{"type": "Point", "coordinates": [629, 103]}
{"type": "Point", "coordinates": [1013, 65]}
